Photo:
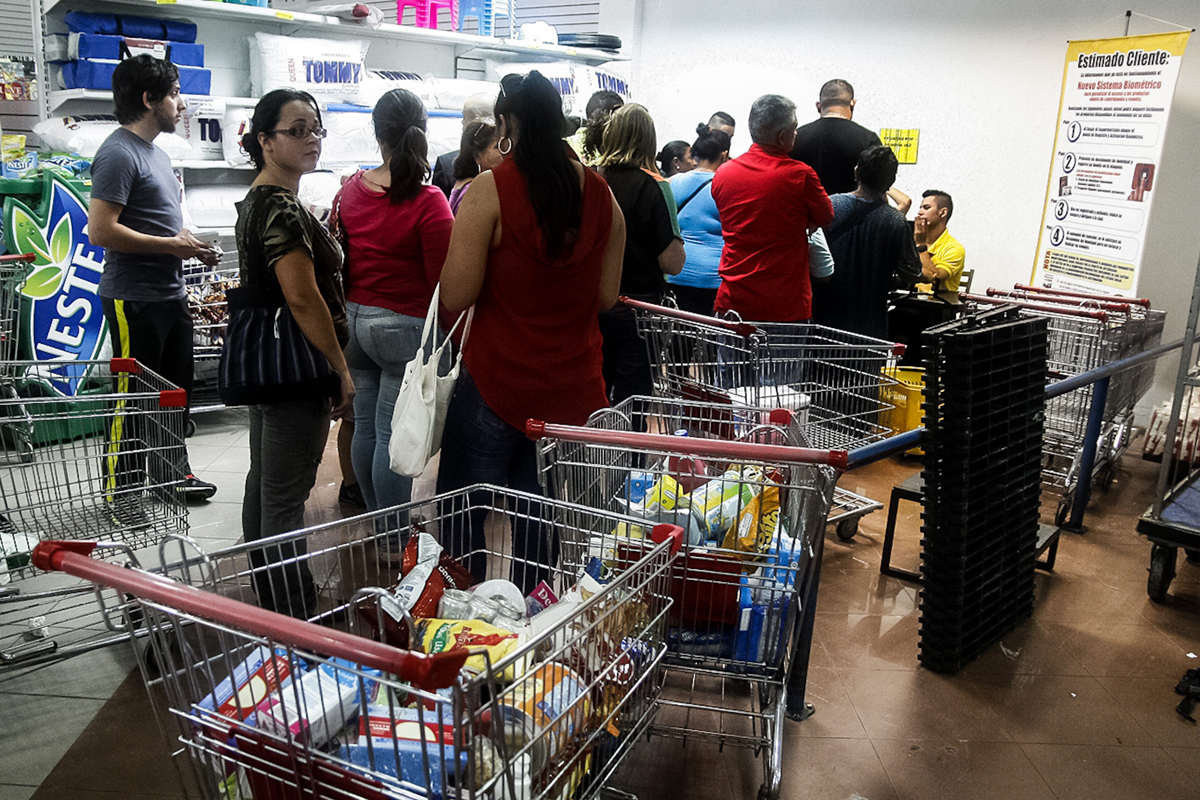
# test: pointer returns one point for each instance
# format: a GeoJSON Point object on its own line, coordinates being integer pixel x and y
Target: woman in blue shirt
{"type": "Point", "coordinates": [696, 287]}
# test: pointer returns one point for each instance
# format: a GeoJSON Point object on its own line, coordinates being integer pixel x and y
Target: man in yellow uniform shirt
{"type": "Point", "coordinates": [942, 257]}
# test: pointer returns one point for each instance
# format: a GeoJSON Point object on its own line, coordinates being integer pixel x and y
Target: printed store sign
{"type": "Point", "coordinates": [1113, 113]}
{"type": "Point", "coordinates": [61, 319]}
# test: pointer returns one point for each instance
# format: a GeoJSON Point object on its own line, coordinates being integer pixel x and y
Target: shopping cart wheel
{"type": "Point", "coordinates": [847, 528]}
{"type": "Point", "coordinates": [1162, 572]}
{"type": "Point", "coordinates": [191, 429]}
{"type": "Point", "coordinates": [1104, 478]}
{"type": "Point", "coordinates": [1063, 511]}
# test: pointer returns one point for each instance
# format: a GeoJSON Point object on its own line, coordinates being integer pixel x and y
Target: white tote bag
{"type": "Point", "coordinates": [420, 413]}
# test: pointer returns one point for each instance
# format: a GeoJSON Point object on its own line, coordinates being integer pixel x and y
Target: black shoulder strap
{"type": "Point", "coordinates": [693, 194]}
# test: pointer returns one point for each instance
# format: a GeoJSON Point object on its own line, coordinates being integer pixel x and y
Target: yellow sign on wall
{"type": "Point", "coordinates": [903, 142]}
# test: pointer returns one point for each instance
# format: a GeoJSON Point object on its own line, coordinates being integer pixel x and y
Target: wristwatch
{"type": "Point", "coordinates": [921, 248]}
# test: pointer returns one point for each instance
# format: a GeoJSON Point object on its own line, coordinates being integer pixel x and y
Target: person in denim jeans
{"type": "Point", "coordinates": [537, 282]}
{"type": "Point", "coordinates": [395, 232]}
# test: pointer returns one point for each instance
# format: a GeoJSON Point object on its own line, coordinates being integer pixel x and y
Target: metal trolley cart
{"type": "Point", "coordinates": [12, 271]}
{"type": "Point", "coordinates": [102, 465]}
{"type": "Point", "coordinates": [744, 590]}
{"type": "Point", "coordinates": [206, 287]}
{"type": "Point", "coordinates": [1085, 333]}
{"type": "Point", "coordinates": [836, 381]}
{"type": "Point", "coordinates": [262, 705]}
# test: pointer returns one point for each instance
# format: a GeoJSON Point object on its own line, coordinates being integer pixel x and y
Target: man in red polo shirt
{"type": "Point", "coordinates": [768, 203]}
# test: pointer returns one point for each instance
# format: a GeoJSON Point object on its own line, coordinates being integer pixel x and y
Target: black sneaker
{"type": "Point", "coordinates": [127, 512]}
{"type": "Point", "coordinates": [194, 490]}
{"type": "Point", "coordinates": [351, 495]}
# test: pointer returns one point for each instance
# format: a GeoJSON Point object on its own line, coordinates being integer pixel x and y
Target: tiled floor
{"type": "Point", "coordinates": [1076, 703]}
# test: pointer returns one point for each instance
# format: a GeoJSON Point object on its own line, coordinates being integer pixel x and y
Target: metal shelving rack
{"type": "Point", "coordinates": [1173, 520]}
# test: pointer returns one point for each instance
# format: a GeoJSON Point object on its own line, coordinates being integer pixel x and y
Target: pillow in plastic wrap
{"type": "Point", "coordinates": [317, 190]}
{"type": "Point", "coordinates": [559, 73]}
{"type": "Point", "coordinates": [451, 93]}
{"type": "Point", "coordinates": [589, 80]}
{"type": "Point", "coordinates": [201, 128]}
{"type": "Point", "coordinates": [379, 82]}
{"type": "Point", "coordinates": [234, 123]}
{"type": "Point", "coordinates": [213, 206]}
{"type": "Point", "coordinates": [444, 134]}
{"type": "Point", "coordinates": [83, 136]}
{"type": "Point", "coordinates": [330, 70]}
{"type": "Point", "coordinates": [351, 138]}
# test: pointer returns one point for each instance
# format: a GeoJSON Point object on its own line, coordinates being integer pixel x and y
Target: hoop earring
{"type": "Point", "coordinates": [500, 146]}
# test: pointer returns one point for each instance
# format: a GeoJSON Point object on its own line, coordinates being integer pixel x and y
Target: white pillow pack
{"type": "Point", "coordinates": [451, 93]}
{"type": "Point", "coordinates": [83, 136]}
{"type": "Point", "coordinates": [332, 71]}
{"type": "Point", "coordinates": [201, 128]}
{"type": "Point", "coordinates": [234, 123]}
{"type": "Point", "coordinates": [380, 82]}
{"type": "Point", "coordinates": [351, 139]}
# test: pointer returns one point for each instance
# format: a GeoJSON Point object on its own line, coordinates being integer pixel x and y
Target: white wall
{"type": "Point", "coordinates": [980, 79]}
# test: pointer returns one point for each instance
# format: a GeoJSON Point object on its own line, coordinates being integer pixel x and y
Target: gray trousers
{"type": "Point", "coordinates": [286, 443]}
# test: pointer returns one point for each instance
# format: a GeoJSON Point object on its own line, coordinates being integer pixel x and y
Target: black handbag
{"type": "Point", "coordinates": [267, 358]}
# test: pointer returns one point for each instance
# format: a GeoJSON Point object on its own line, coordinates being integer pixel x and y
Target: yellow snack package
{"type": "Point", "coordinates": [444, 635]}
{"type": "Point", "coordinates": [756, 524]}
{"type": "Point", "coordinates": [663, 496]}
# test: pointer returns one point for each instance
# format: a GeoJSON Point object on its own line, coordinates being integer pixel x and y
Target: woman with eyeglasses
{"type": "Point", "coordinates": [395, 231]}
{"type": "Point", "coordinates": [284, 252]}
{"type": "Point", "coordinates": [477, 152]}
{"type": "Point", "coordinates": [537, 249]}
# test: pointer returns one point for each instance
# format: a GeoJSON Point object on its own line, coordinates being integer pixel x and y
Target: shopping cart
{"type": "Point", "coordinates": [261, 705]}
{"type": "Point", "coordinates": [744, 589]}
{"type": "Point", "coordinates": [1085, 332]}
{"type": "Point", "coordinates": [100, 464]}
{"type": "Point", "coordinates": [12, 271]}
{"type": "Point", "coordinates": [838, 381]}
{"type": "Point", "coordinates": [206, 287]}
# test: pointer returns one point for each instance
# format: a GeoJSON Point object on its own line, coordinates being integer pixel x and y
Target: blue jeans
{"type": "Point", "coordinates": [286, 443]}
{"type": "Point", "coordinates": [382, 342]}
{"type": "Point", "coordinates": [479, 447]}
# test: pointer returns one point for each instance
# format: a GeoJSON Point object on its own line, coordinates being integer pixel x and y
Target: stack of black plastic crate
{"type": "Point", "coordinates": [985, 379]}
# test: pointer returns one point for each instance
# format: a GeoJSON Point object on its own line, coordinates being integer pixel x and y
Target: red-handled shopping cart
{"type": "Point", "coordinates": [744, 590]}
{"type": "Point", "coordinates": [89, 450]}
{"type": "Point", "coordinates": [262, 705]}
{"type": "Point", "coordinates": [840, 384]}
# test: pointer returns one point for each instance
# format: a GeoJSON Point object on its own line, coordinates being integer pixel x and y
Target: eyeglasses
{"type": "Point", "coordinates": [300, 132]}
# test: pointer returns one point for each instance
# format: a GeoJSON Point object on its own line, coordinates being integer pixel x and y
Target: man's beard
{"type": "Point", "coordinates": [166, 122]}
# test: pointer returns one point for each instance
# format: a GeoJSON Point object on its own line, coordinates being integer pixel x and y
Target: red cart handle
{"type": "Point", "coordinates": [13, 258]}
{"type": "Point", "coordinates": [740, 328]}
{"type": "Point", "coordinates": [1049, 309]}
{"type": "Point", "coordinates": [427, 672]}
{"type": "Point", "coordinates": [1137, 301]}
{"type": "Point", "coordinates": [1073, 302]}
{"type": "Point", "coordinates": [687, 446]}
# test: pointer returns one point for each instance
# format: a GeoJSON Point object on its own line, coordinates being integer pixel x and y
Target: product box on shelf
{"type": "Point", "coordinates": [172, 30]}
{"type": "Point", "coordinates": [97, 74]}
{"type": "Point", "coordinates": [72, 46]}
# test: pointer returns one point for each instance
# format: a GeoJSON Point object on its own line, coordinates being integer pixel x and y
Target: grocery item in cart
{"type": "Point", "coordinates": [396, 741]}
{"type": "Point", "coordinates": [322, 703]}
{"type": "Point", "coordinates": [260, 674]}
{"type": "Point", "coordinates": [551, 704]}
{"type": "Point", "coordinates": [446, 635]}
{"type": "Point", "coordinates": [756, 523]}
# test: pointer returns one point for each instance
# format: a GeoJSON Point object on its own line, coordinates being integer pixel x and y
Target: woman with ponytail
{"type": "Point", "coordinates": [395, 231]}
{"type": "Point", "coordinates": [537, 248]}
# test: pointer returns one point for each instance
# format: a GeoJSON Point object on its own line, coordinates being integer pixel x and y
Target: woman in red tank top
{"type": "Point", "coordinates": [537, 248]}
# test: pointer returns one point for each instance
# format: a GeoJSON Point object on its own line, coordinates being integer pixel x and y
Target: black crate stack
{"type": "Point", "coordinates": [985, 379]}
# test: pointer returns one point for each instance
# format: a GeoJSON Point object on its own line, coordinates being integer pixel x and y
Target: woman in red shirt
{"type": "Point", "coordinates": [537, 248]}
{"type": "Point", "coordinates": [395, 232]}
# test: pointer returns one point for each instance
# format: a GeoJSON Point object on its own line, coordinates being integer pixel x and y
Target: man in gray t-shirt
{"type": "Point", "coordinates": [135, 214]}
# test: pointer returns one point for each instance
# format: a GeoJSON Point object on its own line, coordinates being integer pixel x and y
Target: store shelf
{"type": "Point", "coordinates": [198, 164]}
{"type": "Point", "coordinates": [60, 97]}
{"type": "Point", "coordinates": [271, 16]}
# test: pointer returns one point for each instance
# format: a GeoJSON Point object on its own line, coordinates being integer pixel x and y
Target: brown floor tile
{"type": "Point", "coordinates": [1122, 650]}
{"type": "Point", "coordinates": [1066, 709]}
{"type": "Point", "coordinates": [951, 770]}
{"type": "Point", "coordinates": [669, 768]}
{"type": "Point", "coordinates": [63, 793]}
{"type": "Point", "coordinates": [1187, 758]}
{"type": "Point", "coordinates": [919, 704]}
{"type": "Point", "coordinates": [869, 641]}
{"type": "Point", "coordinates": [1088, 772]}
{"type": "Point", "coordinates": [1030, 649]}
{"type": "Point", "coordinates": [822, 769]}
{"type": "Point", "coordinates": [1152, 701]}
{"type": "Point", "coordinates": [1066, 597]}
{"type": "Point", "coordinates": [834, 715]}
{"type": "Point", "coordinates": [848, 591]}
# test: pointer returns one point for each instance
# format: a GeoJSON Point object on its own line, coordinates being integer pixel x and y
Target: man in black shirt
{"type": "Point", "coordinates": [832, 144]}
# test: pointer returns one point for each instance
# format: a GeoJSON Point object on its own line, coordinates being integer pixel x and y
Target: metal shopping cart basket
{"type": "Point", "coordinates": [12, 271]}
{"type": "Point", "coordinates": [88, 450]}
{"type": "Point", "coordinates": [1082, 334]}
{"type": "Point", "coordinates": [841, 383]}
{"type": "Point", "coordinates": [261, 705]}
{"type": "Point", "coordinates": [206, 287]}
{"type": "Point", "coordinates": [744, 589]}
